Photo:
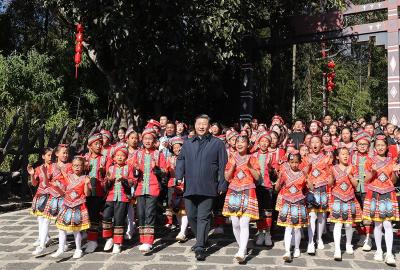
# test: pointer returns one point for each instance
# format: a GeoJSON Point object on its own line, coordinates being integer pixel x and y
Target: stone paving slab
{"type": "Point", "coordinates": [18, 230]}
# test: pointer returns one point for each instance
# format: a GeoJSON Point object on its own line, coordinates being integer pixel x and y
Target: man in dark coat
{"type": "Point", "coordinates": [201, 164]}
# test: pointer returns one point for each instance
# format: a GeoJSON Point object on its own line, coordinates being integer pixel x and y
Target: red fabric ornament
{"type": "Point", "coordinates": [331, 64]}
{"type": "Point", "coordinates": [79, 28]}
{"type": "Point", "coordinates": [79, 37]}
{"type": "Point", "coordinates": [77, 58]}
{"type": "Point", "coordinates": [78, 47]}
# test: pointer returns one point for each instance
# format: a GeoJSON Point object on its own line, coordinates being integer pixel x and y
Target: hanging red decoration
{"type": "Point", "coordinates": [78, 47]}
{"type": "Point", "coordinates": [330, 75]}
{"type": "Point", "coordinates": [331, 64]}
{"type": "Point", "coordinates": [77, 58]}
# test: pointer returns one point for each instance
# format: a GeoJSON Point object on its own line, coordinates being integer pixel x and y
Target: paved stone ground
{"type": "Point", "coordinates": [18, 230]}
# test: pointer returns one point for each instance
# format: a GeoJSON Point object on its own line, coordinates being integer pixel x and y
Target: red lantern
{"type": "Point", "coordinates": [78, 47]}
{"type": "Point", "coordinates": [79, 37]}
{"type": "Point", "coordinates": [79, 28]}
{"type": "Point", "coordinates": [331, 64]}
{"type": "Point", "coordinates": [77, 58]}
{"type": "Point", "coordinates": [329, 88]}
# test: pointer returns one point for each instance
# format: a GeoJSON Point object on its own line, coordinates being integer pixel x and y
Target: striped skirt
{"type": "Point", "coordinates": [241, 203]}
{"type": "Point", "coordinates": [39, 204]}
{"type": "Point", "coordinates": [344, 212]}
{"type": "Point", "coordinates": [380, 207]}
{"type": "Point", "coordinates": [73, 218]}
{"type": "Point", "coordinates": [318, 200]}
{"type": "Point", "coordinates": [292, 214]}
{"type": "Point", "coordinates": [53, 207]}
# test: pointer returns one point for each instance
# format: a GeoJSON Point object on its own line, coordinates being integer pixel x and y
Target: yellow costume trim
{"type": "Point", "coordinates": [380, 219]}
{"type": "Point", "coordinates": [283, 224]}
{"type": "Point", "coordinates": [73, 227]}
{"type": "Point", "coordinates": [240, 214]}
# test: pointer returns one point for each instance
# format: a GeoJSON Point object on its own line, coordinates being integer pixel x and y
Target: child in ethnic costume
{"type": "Point", "coordinates": [57, 187]}
{"type": "Point", "coordinates": [291, 204]}
{"type": "Point", "coordinates": [150, 165]}
{"type": "Point", "coordinates": [119, 180]}
{"type": "Point", "coordinates": [362, 163]}
{"type": "Point", "coordinates": [175, 190]}
{"type": "Point", "coordinates": [41, 177]}
{"type": "Point", "coordinates": [132, 139]}
{"type": "Point", "coordinates": [380, 205]}
{"type": "Point", "coordinates": [318, 167]}
{"type": "Point", "coordinates": [107, 140]}
{"type": "Point", "coordinates": [264, 190]}
{"type": "Point", "coordinates": [231, 136]}
{"type": "Point", "coordinates": [344, 207]}
{"type": "Point", "coordinates": [97, 165]}
{"type": "Point", "coordinates": [242, 172]}
{"type": "Point", "coordinates": [74, 215]}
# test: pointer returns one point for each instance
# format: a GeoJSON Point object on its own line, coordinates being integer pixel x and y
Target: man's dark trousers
{"type": "Point", "coordinates": [199, 212]}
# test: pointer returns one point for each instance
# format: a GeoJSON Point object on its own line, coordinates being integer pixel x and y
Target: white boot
{"type": "Point", "coordinates": [260, 239]}
{"type": "Point", "coordinates": [321, 245]}
{"type": "Point", "coordinates": [57, 254]}
{"type": "Point", "coordinates": [109, 244]}
{"type": "Point", "coordinates": [268, 239]}
{"type": "Point", "coordinates": [389, 259]}
{"type": "Point", "coordinates": [91, 246]}
{"type": "Point", "coordinates": [240, 256]}
{"type": "Point", "coordinates": [77, 254]}
{"type": "Point", "coordinates": [181, 237]}
{"type": "Point", "coordinates": [349, 249]}
{"type": "Point", "coordinates": [296, 253]}
{"type": "Point", "coordinates": [38, 251]}
{"type": "Point", "coordinates": [337, 256]}
{"type": "Point", "coordinates": [378, 256]}
{"type": "Point", "coordinates": [311, 248]}
{"type": "Point", "coordinates": [145, 248]}
{"type": "Point", "coordinates": [367, 244]}
{"type": "Point", "coordinates": [116, 249]}
{"type": "Point", "coordinates": [286, 257]}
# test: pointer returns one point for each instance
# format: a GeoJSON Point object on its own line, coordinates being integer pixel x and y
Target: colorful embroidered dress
{"type": "Point", "coordinates": [74, 215]}
{"type": "Point", "coordinates": [56, 190]}
{"type": "Point", "coordinates": [43, 174]}
{"type": "Point", "coordinates": [292, 204]}
{"type": "Point", "coordinates": [241, 198]}
{"type": "Point", "coordinates": [318, 173]}
{"type": "Point", "coordinates": [380, 202]}
{"type": "Point", "coordinates": [344, 207]}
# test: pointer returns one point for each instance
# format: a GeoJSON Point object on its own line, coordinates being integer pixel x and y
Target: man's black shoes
{"type": "Point", "coordinates": [200, 255]}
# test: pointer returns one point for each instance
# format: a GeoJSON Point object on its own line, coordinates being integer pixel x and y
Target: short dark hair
{"type": "Point", "coordinates": [203, 116]}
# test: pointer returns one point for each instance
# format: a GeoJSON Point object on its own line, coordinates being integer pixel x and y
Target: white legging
{"type": "Point", "coordinates": [43, 230]}
{"type": "Point", "coordinates": [288, 237]}
{"type": "Point", "coordinates": [240, 226]}
{"type": "Point", "coordinates": [388, 236]}
{"type": "Point", "coordinates": [183, 222]}
{"type": "Point", "coordinates": [62, 239]}
{"type": "Point", "coordinates": [337, 234]}
{"type": "Point", "coordinates": [321, 224]}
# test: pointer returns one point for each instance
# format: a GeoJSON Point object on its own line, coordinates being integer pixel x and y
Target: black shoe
{"type": "Point", "coordinates": [200, 255]}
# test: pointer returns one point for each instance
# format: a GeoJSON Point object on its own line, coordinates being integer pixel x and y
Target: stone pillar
{"type": "Point", "coordinates": [393, 64]}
